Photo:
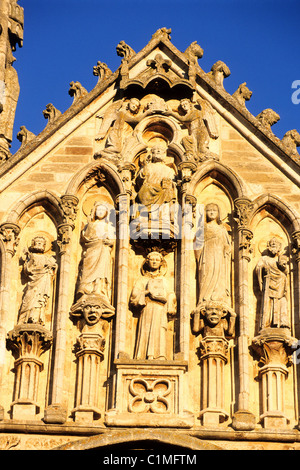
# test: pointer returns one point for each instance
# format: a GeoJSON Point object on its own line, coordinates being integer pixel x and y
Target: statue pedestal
{"type": "Point", "coordinates": [213, 356]}
{"type": "Point", "coordinates": [150, 394]}
{"type": "Point", "coordinates": [274, 347]}
{"type": "Point", "coordinates": [89, 352]}
{"type": "Point", "coordinates": [27, 342]}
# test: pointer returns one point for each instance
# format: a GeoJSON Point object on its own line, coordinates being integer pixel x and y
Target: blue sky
{"type": "Point", "coordinates": [63, 39]}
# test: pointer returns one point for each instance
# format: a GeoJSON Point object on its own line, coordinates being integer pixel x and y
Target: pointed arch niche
{"type": "Point", "coordinates": [37, 215]}
{"type": "Point", "coordinates": [275, 377]}
{"type": "Point", "coordinates": [214, 187]}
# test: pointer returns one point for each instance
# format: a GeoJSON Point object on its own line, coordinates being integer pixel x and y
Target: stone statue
{"type": "Point", "coordinates": [113, 124]}
{"type": "Point", "coordinates": [89, 310]}
{"type": "Point", "coordinates": [158, 179]}
{"type": "Point", "coordinates": [97, 238]}
{"type": "Point", "coordinates": [39, 270]}
{"type": "Point", "coordinates": [199, 121]}
{"type": "Point", "coordinates": [271, 271]}
{"type": "Point", "coordinates": [157, 194]}
{"type": "Point", "coordinates": [214, 320]}
{"type": "Point", "coordinates": [213, 260]}
{"type": "Point", "coordinates": [151, 296]}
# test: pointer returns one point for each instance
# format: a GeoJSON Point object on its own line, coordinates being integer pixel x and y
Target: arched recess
{"type": "Point", "coordinates": [97, 172]}
{"type": "Point", "coordinates": [285, 215]}
{"type": "Point", "coordinates": [221, 174]}
{"type": "Point", "coordinates": [273, 218]}
{"type": "Point", "coordinates": [142, 439]}
{"type": "Point", "coordinates": [38, 213]}
{"type": "Point", "coordinates": [45, 199]}
{"type": "Point", "coordinates": [215, 183]}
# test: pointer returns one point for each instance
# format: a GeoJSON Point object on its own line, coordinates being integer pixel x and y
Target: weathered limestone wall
{"type": "Point", "coordinates": [114, 319]}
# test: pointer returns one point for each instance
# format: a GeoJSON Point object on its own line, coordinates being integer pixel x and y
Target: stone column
{"type": "Point", "coordinates": [274, 348]}
{"type": "Point", "coordinates": [27, 342]}
{"type": "Point", "coordinates": [89, 350]}
{"type": "Point", "coordinates": [123, 201]}
{"type": "Point", "coordinates": [243, 420]}
{"type": "Point", "coordinates": [56, 412]}
{"type": "Point", "coordinates": [213, 357]}
{"type": "Point", "coordinates": [188, 203]}
{"type": "Point", "coordinates": [9, 235]}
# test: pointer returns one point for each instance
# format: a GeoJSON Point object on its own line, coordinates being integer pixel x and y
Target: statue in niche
{"type": "Point", "coordinates": [116, 119]}
{"type": "Point", "coordinates": [271, 271]}
{"type": "Point", "coordinates": [155, 303]}
{"type": "Point", "coordinates": [213, 260]}
{"type": "Point", "coordinates": [199, 120]}
{"type": "Point", "coordinates": [158, 179]}
{"type": "Point", "coordinates": [39, 270]}
{"type": "Point", "coordinates": [157, 193]}
{"type": "Point", "coordinates": [97, 239]}
{"type": "Point", "coordinates": [214, 320]}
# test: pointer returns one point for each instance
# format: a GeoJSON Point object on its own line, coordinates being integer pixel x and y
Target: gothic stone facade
{"type": "Point", "coordinates": [149, 244]}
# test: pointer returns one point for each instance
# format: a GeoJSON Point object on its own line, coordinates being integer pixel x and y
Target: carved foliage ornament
{"type": "Point", "coordinates": [149, 396]}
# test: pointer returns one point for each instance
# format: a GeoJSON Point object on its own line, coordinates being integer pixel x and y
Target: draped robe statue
{"type": "Point", "coordinates": [155, 301]}
{"type": "Point", "coordinates": [213, 260]}
{"type": "Point", "coordinates": [97, 239]}
{"type": "Point", "coordinates": [271, 271]}
{"type": "Point", "coordinates": [39, 270]}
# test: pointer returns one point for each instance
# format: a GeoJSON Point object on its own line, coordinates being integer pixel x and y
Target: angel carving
{"type": "Point", "coordinates": [198, 118]}
{"type": "Point", "coordinates": [118, 119]}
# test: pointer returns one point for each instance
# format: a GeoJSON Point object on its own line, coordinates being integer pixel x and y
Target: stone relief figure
{"type": "Point", "coordinates": [214, 320]}
{"type": "Point", "coordinates": [115, 120]}
{"type": "Point", "coordinates": [155, 302]}
{"type": "Point", "coordinates": [213, 260]}
{"type": "Point", "coordinates": [97, 238]}
{"type": "Point", "coordinates": [157, 194]}
{"type": "Point", "coordinates": [89, 310]}
{"type": "Point", "coordinates": [39, 270]}
{"type": "Point", "coordinates": [199, 120]}
{"type": "Point", "coordinates": [158, 179]}
{"type": "Point", "coordinates": [271, 271]}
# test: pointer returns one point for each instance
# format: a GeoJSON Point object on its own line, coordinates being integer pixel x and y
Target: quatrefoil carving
{"type": "Point", "coordinates": [149, 396]}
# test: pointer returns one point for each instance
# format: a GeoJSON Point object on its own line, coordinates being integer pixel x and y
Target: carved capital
{"type": "Point", "coordinates": [29, 341]}
{"type": "Point", "coordinates": [89, 343]}
{"type": "Point", "coordinates": [213, 347]}
{"type": "Point", "coordinates": [296, 244]}
{"type": "Point", "coordinates": [274, 347]}
{"type": "Point", "coordinates": [243, 208]}
{"type": "Point", "coordinates": [186, 170]}
{"type": "Point", "coordinates": [190, 205]}
{"type": "Point", "coordinates": [68, 204]}
{"type": "Point", "coordinates": [127, 171]}
{"type": "Point", "coordinates": [64, 236]}
{"type": "Point", "coordinates": [9, 234]}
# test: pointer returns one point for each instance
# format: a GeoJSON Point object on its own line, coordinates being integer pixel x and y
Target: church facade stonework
{"type": "Point", "coordinates": [150, 261]}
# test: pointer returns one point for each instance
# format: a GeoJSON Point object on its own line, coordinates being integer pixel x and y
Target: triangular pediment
{"type": "Point", "coordinates": [161, 69]}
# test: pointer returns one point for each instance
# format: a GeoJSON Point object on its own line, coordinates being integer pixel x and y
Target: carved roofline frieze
{"type": "Point", "coordinates": [285, 149]}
